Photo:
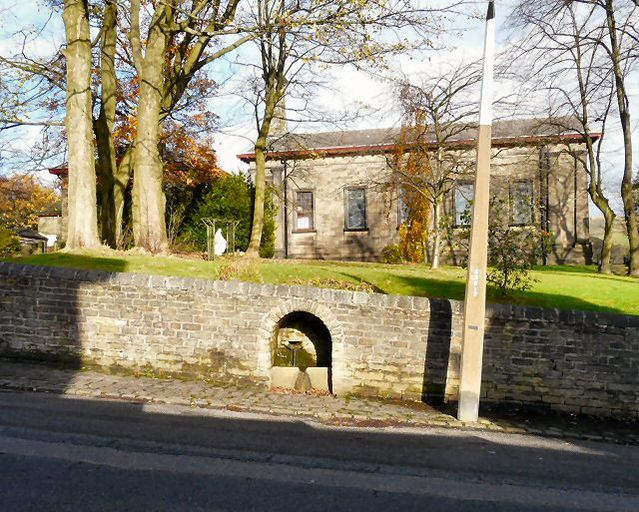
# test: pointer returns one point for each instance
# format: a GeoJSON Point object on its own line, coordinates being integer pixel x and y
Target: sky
{"type": "Point", "coordinates": [350, 88]}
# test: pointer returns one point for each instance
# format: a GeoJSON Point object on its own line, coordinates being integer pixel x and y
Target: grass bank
{"type": "Point", "coordinates": [560, 287]}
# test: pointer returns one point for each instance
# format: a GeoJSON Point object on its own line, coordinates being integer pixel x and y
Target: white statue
{"type": "Point", "coordinates": [219, 243]}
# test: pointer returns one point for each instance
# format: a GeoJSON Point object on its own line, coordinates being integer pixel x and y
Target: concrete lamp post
{"type": "Point", "coordinates": [475, 301]}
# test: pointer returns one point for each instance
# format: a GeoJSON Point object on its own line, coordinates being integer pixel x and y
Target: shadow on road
{"type": "Point", "coordinates": [464, 452]}
{"type": "Point", "coordinates": [112, 454]}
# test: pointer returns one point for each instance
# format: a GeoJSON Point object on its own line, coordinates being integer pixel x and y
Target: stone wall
{"type": "Point", "coordinates": [559, 188]}
{"type": "Point", "coordinates": [381, 344]}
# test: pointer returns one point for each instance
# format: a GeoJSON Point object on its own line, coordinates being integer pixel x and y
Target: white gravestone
{"type": "Point", "coordinates": [219, 243]}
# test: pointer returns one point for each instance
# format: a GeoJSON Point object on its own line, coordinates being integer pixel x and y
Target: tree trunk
{"type": "Point", "coordinates": [253, 249]}
{"type": "Point", "coordinates": [149, 226]}
{"type": "Point", "coordinates": [82, 228]}
{"type": "Point", "coordinates": [629, 205]}
{"type": "Point", "coordinates": [604, 265]}
{"type": "Point", "coordinates": [122, 177]}
{"type": "Point", "coordinates": [107, 166]}
{"type": "Point", "coordinates": [438, 236]}
{"type": "Point", "coordinates": [273, 96]}
{"type": "Point", "coordinates": [105, 169]}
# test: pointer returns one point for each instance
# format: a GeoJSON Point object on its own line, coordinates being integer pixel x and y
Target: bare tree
{"type": "Point", "coordinates": [620, 19]}
{"type": "Point", "coordinates": [295, 36]}
{"type": "Point", "coordinates": [436, 113]}
{"type": "Point", "coordinates": [561, 55]}
{"type": "Point", "coordinates": [619, 54]}
{"type": "Point", "coordinates": [32, 95]}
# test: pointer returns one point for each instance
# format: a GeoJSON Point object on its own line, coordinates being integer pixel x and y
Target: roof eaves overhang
{"type": "Point", "coordinates": [389, 148]}
{"type": "Point", "coordinates": [61, 170]}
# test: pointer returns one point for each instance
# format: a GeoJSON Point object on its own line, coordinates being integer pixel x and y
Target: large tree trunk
{"type": "Point", "coordinates": [629, 205]}
{"type": "Point", "coordinates": [107, 166]}
{"type": "Point", "coordinates": [438, 235]}
{"type": "Point", "coordinates": [273, 96]}
{"type": "Point", "coordinates": [82, 228]}
{"type": "Point", "coordinates": [260, 194]}
{"type": "Point", "coordinates": [604, 265]}
{"type": "Point", "coordinates": [149, 226]}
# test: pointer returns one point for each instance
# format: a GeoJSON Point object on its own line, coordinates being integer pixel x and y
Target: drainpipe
{"type": "Point", "coordinates": [575, 218]}
{"type": "Point", "coordinates": [285, 177]}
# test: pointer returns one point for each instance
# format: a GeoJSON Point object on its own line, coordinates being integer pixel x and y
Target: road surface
{"type": "Point", "coordinates": [61, 454]}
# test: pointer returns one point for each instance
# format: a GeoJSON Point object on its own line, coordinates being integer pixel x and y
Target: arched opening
{"type": "Point", "coordinates": [301, 345]}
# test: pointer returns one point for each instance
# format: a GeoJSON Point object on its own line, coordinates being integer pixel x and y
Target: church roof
{"type": "Point", "coordinates": [381, 140]}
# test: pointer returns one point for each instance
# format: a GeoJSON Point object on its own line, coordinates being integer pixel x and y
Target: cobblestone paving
{"type": "Point", "coordinates": [327, 409]}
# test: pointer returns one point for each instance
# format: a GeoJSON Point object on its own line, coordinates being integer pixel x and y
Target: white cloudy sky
{"type": "Point", "coordinates": [349, 86]}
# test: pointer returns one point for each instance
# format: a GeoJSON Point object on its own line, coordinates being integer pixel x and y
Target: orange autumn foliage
{"type": "Point", "coordinates": [23, 199]}
{"type": "Point", "coordinates": [189, 158]}
{"type": "Point", "coordinates": [188, 161]}
{"type": "Point", "coordinates": [412, 171]}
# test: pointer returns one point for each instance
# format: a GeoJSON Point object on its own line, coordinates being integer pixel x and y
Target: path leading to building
{"type": "Point", "coordinates": [329, 410]}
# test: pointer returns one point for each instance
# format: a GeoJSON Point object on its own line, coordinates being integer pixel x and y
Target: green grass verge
{"type": "Point", "coordinates": [560, 287]}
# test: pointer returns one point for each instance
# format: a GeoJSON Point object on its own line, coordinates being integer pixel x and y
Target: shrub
{"type": "Point", "coordinates": [392, 254]}
{"type": "Point", "coordinates": [230, 198]}
{"type": "Point", "coordinates": [9, 243]}
{"type": "Point", "coordinates": [512, 253]}
{"type": "Point", "coordinates": [239, 269]}
{"type": "Point", "coordinates": [512, 250]}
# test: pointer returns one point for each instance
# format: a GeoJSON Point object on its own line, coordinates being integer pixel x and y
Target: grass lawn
{"type": "Point", "coordinates": [561, 287]}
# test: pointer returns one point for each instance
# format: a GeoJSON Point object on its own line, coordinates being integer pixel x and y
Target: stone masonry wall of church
{"type": "Point", "coordinates": [327, 178]}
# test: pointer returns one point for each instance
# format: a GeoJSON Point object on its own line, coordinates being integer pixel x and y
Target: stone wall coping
{"type": "Point", "coordinates": [356, 298]}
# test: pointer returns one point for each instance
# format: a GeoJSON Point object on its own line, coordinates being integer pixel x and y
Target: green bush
{"type": "Point", "coordinates": [513, 251]}
{"type": "Point", "coordinates": [230, 198]}
{"type": "Point", "coordinates": [9, 243]}
{"type": "Point", "coordinates": [392, 254]}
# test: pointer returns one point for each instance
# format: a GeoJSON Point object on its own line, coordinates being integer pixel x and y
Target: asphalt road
{"type": "Point", "coordinates": [63, 454]}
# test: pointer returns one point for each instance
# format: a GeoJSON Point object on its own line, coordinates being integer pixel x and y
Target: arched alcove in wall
{"type": "Point", "coordinates": [302, 336]}
{"type": "Point", "coordinates": [315, 321]}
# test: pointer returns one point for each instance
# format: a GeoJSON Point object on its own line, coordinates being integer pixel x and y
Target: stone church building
{"type": "Point", "coordinates": [333, 203]}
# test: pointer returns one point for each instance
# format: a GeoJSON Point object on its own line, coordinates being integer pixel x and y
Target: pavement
{"type": "Point", "coordinates": [68, 453]}
{"type": "Point", "coordinates": [327, 409]}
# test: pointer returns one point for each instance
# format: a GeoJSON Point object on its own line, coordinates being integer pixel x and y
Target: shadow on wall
{"type": "Point", "coordinates": [437, 360]}
{"type": "Point", "coordinates": [40, 318]}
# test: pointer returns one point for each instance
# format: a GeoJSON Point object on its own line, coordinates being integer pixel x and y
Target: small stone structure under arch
{"type": "Point", "coordinates": [320, 335]}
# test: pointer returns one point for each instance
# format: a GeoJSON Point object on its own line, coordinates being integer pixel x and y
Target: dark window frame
{"type": "Point", "coordinates": [346, 226]}
{"type": "Point", "coordinates": [454, 201]}
{"type": "Point", "coordinates": [511, 203]}
{"type": "Point", "coordinates": [312, 216]}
